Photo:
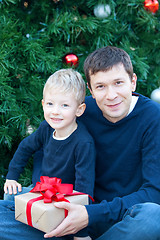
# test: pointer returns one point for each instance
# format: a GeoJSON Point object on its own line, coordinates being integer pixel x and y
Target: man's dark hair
{"type": "Point", "coordinates": [103, 59]}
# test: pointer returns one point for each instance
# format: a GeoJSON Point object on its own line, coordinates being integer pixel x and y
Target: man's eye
{"type": "Point", "coordinates": [100, 86]}
{"type": "Point", "coordinates": [118, 82]}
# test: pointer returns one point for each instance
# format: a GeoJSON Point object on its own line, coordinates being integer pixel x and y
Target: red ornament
{"type": "Point", "coordinates": [151, 5]}
{"type": "Point", "coordinates": [71, 59]}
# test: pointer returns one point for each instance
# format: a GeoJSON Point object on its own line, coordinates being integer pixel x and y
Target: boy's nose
{"type": "Point", "coordinates": [55, 110]}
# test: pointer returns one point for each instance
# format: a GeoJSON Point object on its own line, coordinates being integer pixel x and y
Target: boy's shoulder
{"type": "Point", "coordinates": [45, 128]}
{"type": "Point", "coordinates": [44, 124]}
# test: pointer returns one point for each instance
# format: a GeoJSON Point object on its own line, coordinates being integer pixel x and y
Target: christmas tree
{"type": "Point", "coordinates": [36, 35]}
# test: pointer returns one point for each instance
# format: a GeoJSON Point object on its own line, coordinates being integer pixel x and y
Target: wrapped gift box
{"type": "Point", "coordinates": [45, 216]}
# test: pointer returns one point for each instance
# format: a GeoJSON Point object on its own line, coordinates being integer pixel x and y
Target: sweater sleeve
{"type": "Point", "coordinates": [85, 167]}
{"type": "Point", "coordinates": [112, 211]}
{"type": "Point", "coordinates": [24, 151]}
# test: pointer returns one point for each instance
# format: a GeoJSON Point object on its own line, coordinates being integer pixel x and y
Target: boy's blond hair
{"type": "Point", "coordinates": [67, 80]}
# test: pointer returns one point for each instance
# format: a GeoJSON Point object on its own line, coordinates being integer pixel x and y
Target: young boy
{"type": "Point", "coordinates": [69, 151]}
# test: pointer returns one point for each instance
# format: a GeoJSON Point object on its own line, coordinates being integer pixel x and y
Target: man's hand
{"type": "Point", "coordinates": [76, 220]}
{"type": "Point", "coordinates": [11, 186]}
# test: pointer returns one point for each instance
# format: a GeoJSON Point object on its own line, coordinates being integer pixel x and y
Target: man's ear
{"type": "Point", "coordinates": [90, 90]}
{"type": "Point", "coordinates": [80, 110]}
{"type": "Point", "coordinates": [134, 82]}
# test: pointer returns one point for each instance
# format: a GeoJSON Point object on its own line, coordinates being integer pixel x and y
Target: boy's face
{"type": "Point", "coordinates": [61, 110]}
{"type": "Point", "coordinates": [112, 91]}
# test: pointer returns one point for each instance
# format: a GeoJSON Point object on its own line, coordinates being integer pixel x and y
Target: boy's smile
{"type": "Point", "coordinates": [56, 119]}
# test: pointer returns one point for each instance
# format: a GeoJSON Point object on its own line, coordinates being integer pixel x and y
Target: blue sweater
{"type": "Point", "coordinates": [72, 159]}
{"type": "Point", "coordinates": [128, 159]}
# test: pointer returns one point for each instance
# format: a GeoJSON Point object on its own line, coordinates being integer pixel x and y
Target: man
{"type": "Point", "coordinates": [126, 129]}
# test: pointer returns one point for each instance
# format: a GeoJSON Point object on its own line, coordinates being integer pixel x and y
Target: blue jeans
{"type": "Point", "coordinates": [141, 222]}
{"type": "Point", "coordinates": [10, 229]}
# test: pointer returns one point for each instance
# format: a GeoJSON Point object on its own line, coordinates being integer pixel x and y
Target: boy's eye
{"type": "Point", "coordinates": [49, 104]}
{"type": "Point", "coordinates": [65, 105]}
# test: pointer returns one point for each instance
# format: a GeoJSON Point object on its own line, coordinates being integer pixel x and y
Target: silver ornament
{"type": "Point", "coordinates": [102, 10]}
{"type": "Point", "coordinates": [155, 95]}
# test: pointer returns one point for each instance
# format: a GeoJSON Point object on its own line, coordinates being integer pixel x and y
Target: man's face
{"type": "Point", "coordinates": [112, 91]}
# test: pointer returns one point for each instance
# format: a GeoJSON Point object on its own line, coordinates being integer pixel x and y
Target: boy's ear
{"type": "Point", "coordinates": [80, 110]}
{"type": "Point", "coordinates": [42, 102]}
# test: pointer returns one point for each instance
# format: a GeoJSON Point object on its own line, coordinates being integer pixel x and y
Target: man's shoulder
{"type": "Point", "coordinates": [91, 106]}
{"type": "Point", "coordinates": [89, 100]}
{"type": "Point", "coordinates": [82, 133]}
{"type": "Point", "coordinates": [148, 105]}
{"type": "Point", "coordinates": [146, 112]}
{"type": "Point", "coordinates": [92, 116]}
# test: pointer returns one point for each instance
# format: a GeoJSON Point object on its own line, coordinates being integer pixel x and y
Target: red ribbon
{"type": "Point", "coordinates": [52, 190]}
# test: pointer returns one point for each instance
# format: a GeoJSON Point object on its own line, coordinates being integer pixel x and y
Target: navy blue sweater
{"type": "Point", "coordinates": [72, 159]}
{"type": "Point", "coordinates": [128, 159]}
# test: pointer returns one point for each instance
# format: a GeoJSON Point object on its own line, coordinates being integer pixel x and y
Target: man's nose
{"type": "Point", "coordinates": [111, 93]}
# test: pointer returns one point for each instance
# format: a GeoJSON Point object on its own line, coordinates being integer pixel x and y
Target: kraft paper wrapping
{"type": "Point", "coordinates": [45, 216]}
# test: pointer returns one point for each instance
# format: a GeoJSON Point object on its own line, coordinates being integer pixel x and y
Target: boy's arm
{"type": "Point", "coordinates": [24, 151]}
{"type": "Point", "coordinates": [20, 158]}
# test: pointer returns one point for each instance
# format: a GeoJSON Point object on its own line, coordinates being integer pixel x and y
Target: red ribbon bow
{"type": "Point", "coordinates": [52, 190]}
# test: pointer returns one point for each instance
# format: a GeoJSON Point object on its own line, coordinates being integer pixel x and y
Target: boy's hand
{"type": "Point", "coordinates": [11, 186]}
{"type": "Point", "coordinates": [76, 220]}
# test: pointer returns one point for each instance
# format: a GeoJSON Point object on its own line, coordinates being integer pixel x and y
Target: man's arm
{"type": "Point", "coordinates": [76, 220]}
